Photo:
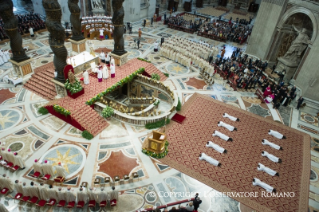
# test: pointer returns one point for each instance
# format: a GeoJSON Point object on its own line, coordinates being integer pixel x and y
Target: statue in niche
{"type": "Point", "coordinates": [11, 28]}
{"type": "Point", "coordinates": [75, 20]}
{"type": "Point", "coordinates": [298, 45]}
{"type": "Point", "coordinates": [97, 4]}
{"type": "Point", "coordinates": [56, 37]}
{"type": "Point", "coordinates": [118, 16]}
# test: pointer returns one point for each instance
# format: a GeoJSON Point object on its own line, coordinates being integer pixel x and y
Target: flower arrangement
{"type": "Point", "coordinates": [73, 88]}
{"type": "Point", "coordinates": [155, 77]}
{"type": "Point", "coordinates": [155, 155]}
{"type": "Point", "coordinates": [107, 112]}
{"type": "Point", "coordinates": [61, 110]}
{"type": "Point", "coordinates": [116, 85]}
{"type": "Point", "coordinates": [142, 59]}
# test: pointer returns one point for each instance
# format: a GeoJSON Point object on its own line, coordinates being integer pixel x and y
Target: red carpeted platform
{"type": "Point", "coordinates": [239, 164]}
{"type": "Point", "coordinates": [178, 118]}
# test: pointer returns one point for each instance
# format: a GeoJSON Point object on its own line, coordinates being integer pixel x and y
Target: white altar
{"type": "Point", "coordinates": [82, 61]}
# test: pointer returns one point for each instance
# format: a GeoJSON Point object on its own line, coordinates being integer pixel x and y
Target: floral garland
{"type": "Point", "coordinates": [113, 87]}
{"type": "Point", "coordinates": [144, 60]}
{"type": "Point", "coordinates": [156, 155]}
{"type": "Point", "coordinates": [73, 88]}
{"type": "Point", "coordinates": [61, 110]}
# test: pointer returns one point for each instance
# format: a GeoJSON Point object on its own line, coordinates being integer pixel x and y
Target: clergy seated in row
{"type": "Point", "coordinates": [227, 126]}
{"type": "Point", "coordinates": [222, 136]}
{"type": "Point", "coordinates": [269, 171]}
{"type": "Point", "coordinates": [226, 115]}
{"type": "Point", "coordinates": [276, 134]}
{"type": "Point", "coordinates": [6, 185]}
{"type": "Point", "coordinates": [275, 146]}
{"type": "Point", "coordinates": [271, 157]}
{"type": "Point", "coordinates": [268, 188]}
{"type": "Point", "coordinates": [216, 147]}
{"type": "Point", "coordinates": [209, 159]}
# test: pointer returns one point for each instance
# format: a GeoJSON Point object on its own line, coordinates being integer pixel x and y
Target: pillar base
{"type": "Point", "coordinates": [60, 89]}
{"type": "Point", "coordinates": [289, 66]}
{"type": "Point", "coordinates": [23, 69]}
{"type": "Point", "coordinates": [78, 46]}
{"type": "Point", "coordinates": [120, 60]}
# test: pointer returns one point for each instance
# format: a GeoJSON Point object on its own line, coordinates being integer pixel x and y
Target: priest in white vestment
{"type": "Point", "coordinates": [155, 47]}
{"type": "Point", "coordinates": [112, 68]}
{"type": "Point", "coordinates": [275, 146]}
{"type": "Point", "coordinates": [99, 74]}
{"type": "Point", "coordinates": [105, 72]}
{"type": "Point", "coordinates": [227, 126]}
{"type": "Point", "coordinates": [222, 136]}
{"type": "Point", "coordinates": [19, 161]}
{"type": "Point", "coordinates": [82, 196]}
{"type": "Point", "coordinates": [216, 147]}
{"type": "Point", "coordinates": [268, 188]}
{"type": "Point", "coordinates": [70, 196]}
{"type": "Point", "coordinates": [209, 159]}
{"type": "Point", "coordinates": [107, 59]}
{"type": "Point", "coordinates": [37, 167]}
{"type": "Point", "coordinates": [60, 171]}
{"type": "Point", "coordinates": [226, 115]}
{"type": "Point", "coordinates": [276, 134]}
{"type": "Point", "coordinates": [102, 56]}
{"type": "Point", "coordinates": [271, 157]}
{"type": "Point", "coordinates": [18, 188]}
{"type": "Point", "coordinates": [269, 171]}
{"type": "Point", "coordinates": [86, 78]}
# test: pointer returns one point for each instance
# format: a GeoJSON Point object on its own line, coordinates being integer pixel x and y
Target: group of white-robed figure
{"type": "Point", "coordinates": [102, 72]}
{"type": "Point", "coordinates": [260, 167]}
{"type": "Point", "coordinates": [4, 56]}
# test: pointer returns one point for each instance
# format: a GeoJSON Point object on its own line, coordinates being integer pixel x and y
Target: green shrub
{"type": "Point", "coordinates": [43, 111]}
{"type": "Point", "coordinates": [179, 105]}
{"type": "Point", "coordinates": [155, 77]}
{"type": "Point", "coordinates": [157, 124]}
{"type": "Point", "coordinates": [87, 135]}
{"type": "Point", "coordinates": [107, 112]}
{"type": "Point", "coordinates": [144, 60]}
{"type": "Point", "coordinates": [166, 74]}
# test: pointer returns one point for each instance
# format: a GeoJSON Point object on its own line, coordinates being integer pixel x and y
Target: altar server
{"type": "Point", "coordinates": [227, 126]}
{"type": "Point", "coordinates": [276, 134]}
{"type": "Point", "coordinates": [269, 171]}
{"type": "Point", "coordinates": [209, 159]}
{"type": "Point", "coordinates": [216, 147]}
{"type": "Point", "coordinates": [86, 78]}
{"type": "Point", "coordinates": [275, 146]}
{"type": "Point", "coordinates": [225, 115]}
{"type": "Point", "coordinates": [156, 47]}
{"type": "Point", "coordinates": [112, 68]}
{"type": "Point", "coordinates": [105, 72]}
{"type": "Point", "coordinates": [222, 136]}
{"type": "Point", "coordinates": [271, 157]}
{"type": "Point", "coordinates": [101, 34]}
{"type": "Point", "coordinates": [268, 188]}
{"type": "Point", "coordinates": [102, 56]}
{"type": "Point", "coordinates": [99, 74]}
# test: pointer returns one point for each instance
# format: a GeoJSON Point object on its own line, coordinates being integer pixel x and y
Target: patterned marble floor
{"type": "Point", "coordinates": [117, 150]}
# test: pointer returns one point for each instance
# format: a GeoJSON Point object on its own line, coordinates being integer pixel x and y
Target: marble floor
{"type": "Point", "coordinates": [117, 150]}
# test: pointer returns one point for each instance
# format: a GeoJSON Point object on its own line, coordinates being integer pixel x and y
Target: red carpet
{"type": "Point", "coordinates": [178, 118]}
{"type": "Point", "coordinates": [239, 164]}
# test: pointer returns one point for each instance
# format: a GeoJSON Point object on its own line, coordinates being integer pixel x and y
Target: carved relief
{"type": "Point", "coordinates": [11, 28]}
{"type": "Point", "coordinates": [56, 37]}
{"type": "Point", "coordinates": [75, 20]}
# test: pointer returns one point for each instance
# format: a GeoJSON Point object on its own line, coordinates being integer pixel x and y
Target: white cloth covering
{"type": "Point", "coordinates": [86, 78]}
{"type": "Point", "coordinates": [269, 171]}
{"type": "Point", "coordinates": [267, 187]}
{"type": "Point", "coordinates": [270, 157]}
{"type": "Point", "coordinates": [93, 195]}
{"type": "Point", "coordinates": [60, 171]}
{"type": "Point", "coordinates": [215, 146]}
{"type": "Point", "coordinates": [209, 159]}
{"type": "Point", "coordinates": [221, 135]}
{"type": "Point", "coordinates": [227, 126]}
{"type": "Point", "coordinates": [18, 188]}
{"type": "Point", "coordinates": [31, 31]}
{"type": "Point", "coordinates": [19, 161]}
{"type": "Point", "coordinates": [226, 115]}
{"type": "Point", "coordinates": [10, 157]}
{"type": "Point", "coordinates": [47, 169]}
{"type": "Point", "coordinates": [51, 194]}
{"type": "Point", "coordinates": [37, 167]}
{"type": "Point", "coordinates": [275, 134]}
{"type": "Point", "coordinates": [105, 72]}
{"type": "Point", "coordinates": [33, 191]}
{"type": "Point", "coordinates": [266, 142]}
{"type": "Point", "coordinates": [61, 195]}
{"type": "Point", "coordinates": [156, 45]}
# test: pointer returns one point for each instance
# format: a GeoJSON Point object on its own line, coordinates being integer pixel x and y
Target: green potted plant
{"type": "Point", "coordinates": [155, 77]}
{"type": "Point", "coordinates": [107, 112]}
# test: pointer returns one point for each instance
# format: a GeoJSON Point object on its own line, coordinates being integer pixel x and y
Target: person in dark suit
{"type": "Point", "coordinates": [196, 202]}
{"type": "Point", "coordinates": [162, 40]}
{"type": "Point", "coordinates": [300, 101]}
{"type": "Point", "coordinates": [144, 22]}
{"type": "Point", "coordinates": [138, 43]}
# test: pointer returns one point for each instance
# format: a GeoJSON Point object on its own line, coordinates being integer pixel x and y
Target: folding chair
{"type": "Point", "coordinates": [51, 202]}
{"type": "Point", "coordinates": [71, 204]}
{"type": "Point", "coordinates": [61, 203]}
{"type": "Point", "coordinates": [80, 204]}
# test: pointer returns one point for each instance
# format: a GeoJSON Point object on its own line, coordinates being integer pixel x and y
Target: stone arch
{"type": "Point", "coordinates": [305, 11]}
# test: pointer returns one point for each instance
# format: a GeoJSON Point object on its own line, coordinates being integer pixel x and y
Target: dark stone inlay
{"type": "Point", "coordinates": [38, 143]}
{"type": "Point", "coordinates": [59, 142]}
{"type": "Point", "coordinates": [162, 167]}
{"type": "Point", "coordinates": [25, 120]}
{"type": "Point", "coordinates": [130, 151]}
{"type": "Point", "coordinates": [140, 173]}
{"type": "Point", "coordinates": [21, 95]}
{"type": "Point", "coordinates": [16, 147]}
{"type": "Point", "coordinates": [108, 146]}
{"type": "Point", "coordinates": [21, 132]}
{"type": "Point", "coordinates": [44, 61]}
{"type": "Point", "coordinates": [313, 175]}
{"type": "Point", "coordinates": [71, 182]}
{"type": "Point", "coordinates": [102, 155]}
{"type": "Point", "coordinates": [309, 118]}
{"type": "Point", "coordinates": [38, 132]}
{"type": "Point", "coordinates": [85, 146]}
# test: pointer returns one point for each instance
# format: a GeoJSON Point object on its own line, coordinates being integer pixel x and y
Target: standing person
{"type": "Point", "coordinates": [102, 56]}
{"type": "Point", "coordinates": [105, 72]}
{"type": "Point", "coordinates": [31, 32]}
{"type": "Point", "coordinates": [107, 59]}
{"type": "Point", "coordinates": [155, 46]}
{"type": "Point", "coordinates": [138, 44]}
{"type": "Point", "coordinates": [162, 40]}
{"type": "Point", "coordinates": [114, 196]}
{"type": "Point", "coordinates": [196, 202]}
{"type": "Point", "coordinates": [300, 101]}
{"type": "Point", "coordinates": [139, 33]}
{"type": "Point", "coordinates": [144, 22]}
{"type": "Point", "coordinates": [222, 53]}
{"type": "Point", "coordinates": [86, 79]}
{"type": "Point", "coordinates": [101, 34]}
{"type": "Point", "coordinates": [99, 74]}
{"type": "Point", "coordinates": [112, 68]}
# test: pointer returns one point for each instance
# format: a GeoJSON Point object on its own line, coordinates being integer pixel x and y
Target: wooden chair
{"type": "Point", "coordinates": [116, 179]}
{"type": "Point", "coordinates": [135, 175]}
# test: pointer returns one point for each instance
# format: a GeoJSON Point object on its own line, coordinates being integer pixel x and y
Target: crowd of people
{"type": "Point", "coordinates": [28, 23]}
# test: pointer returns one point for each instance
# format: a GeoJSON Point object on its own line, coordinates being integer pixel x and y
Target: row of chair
{"type": "Point", "coordinates": [117, 179]}
{"type": "Point", "coordinates": [9, 165]}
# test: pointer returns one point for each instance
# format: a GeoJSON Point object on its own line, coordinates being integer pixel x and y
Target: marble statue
{"type": "Point", "coordinates": [118, 16]}
{"type": "Point", "coordinates": [11, 28]}
{"type": "Point", "coordinates": [97, 4]}
{"type": "Point", "coordinates": [75, 20]}
{"type": "Point", "coordinates": [56, 37]}
{"type": "Point", "coordinates": [298, 45]}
